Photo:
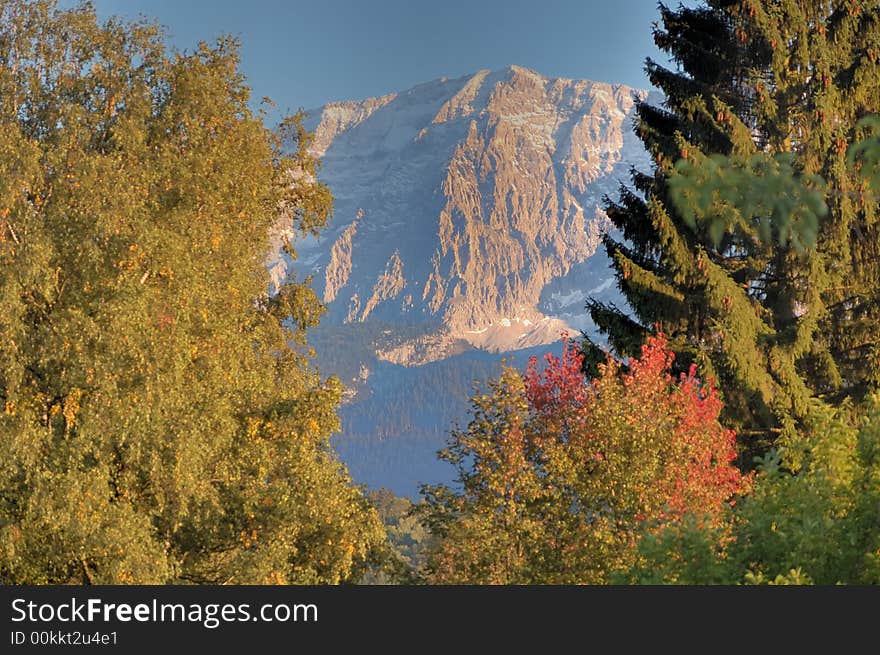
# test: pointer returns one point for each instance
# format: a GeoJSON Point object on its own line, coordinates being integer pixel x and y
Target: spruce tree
{"type": "Point", "coordinates": [156, 424]}
{"type": "Point", "coordinates": [774, 323]}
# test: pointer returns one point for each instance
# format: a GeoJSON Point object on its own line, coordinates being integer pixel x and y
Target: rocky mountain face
{"type": "Point", "coordinates": [467, 222]}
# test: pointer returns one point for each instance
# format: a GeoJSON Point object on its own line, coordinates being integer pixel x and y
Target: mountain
{"type": "Point", "coordinates": [467, 227]}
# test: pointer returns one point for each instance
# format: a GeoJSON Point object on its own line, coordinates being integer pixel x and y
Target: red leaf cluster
{"type": "Point", "coordinates": [662, 431]}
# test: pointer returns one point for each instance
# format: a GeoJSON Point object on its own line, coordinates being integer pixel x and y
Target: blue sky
{"type": "Point", "coordinates": [304, 54]}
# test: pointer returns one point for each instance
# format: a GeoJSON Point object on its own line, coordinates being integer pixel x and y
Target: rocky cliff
{"type": "Point", "coordinates": [470, 205]}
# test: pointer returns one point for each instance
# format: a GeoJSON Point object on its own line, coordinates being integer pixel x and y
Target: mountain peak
{"type": "Point", "coordinates": [470, 206]}
{"type": "Point", "coordinates": [456, 97]}
{"type": "Point", "coordinates": [522, 70]}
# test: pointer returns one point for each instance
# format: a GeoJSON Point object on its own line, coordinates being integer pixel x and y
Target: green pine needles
{"type": "Point", "coordinates": [753, 243]}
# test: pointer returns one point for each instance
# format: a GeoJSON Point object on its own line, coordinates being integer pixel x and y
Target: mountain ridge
{"type": "Point", "coordinates": [500, 166]}
{"type": "Point", "coordinates": [467, 226]}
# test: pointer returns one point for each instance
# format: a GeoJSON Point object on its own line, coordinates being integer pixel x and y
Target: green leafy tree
{"type": "Point", "coordinates": [813, 515]}
{"type": "Point", "coordinates": [157, 424]}
{"type": "Point", "coordinates": [401, 558]}
{"type": "Point", "coordinates": [774, 291]}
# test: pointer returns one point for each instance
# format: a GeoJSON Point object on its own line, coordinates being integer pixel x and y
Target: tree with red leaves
{"type": "Point", "coordinates": [560, 475]}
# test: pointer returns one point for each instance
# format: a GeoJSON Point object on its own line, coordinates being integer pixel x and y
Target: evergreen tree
{"type": "Point", "coordinates": [157, 426]}
{"type": "Point", "coordinates": [776, 324]}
